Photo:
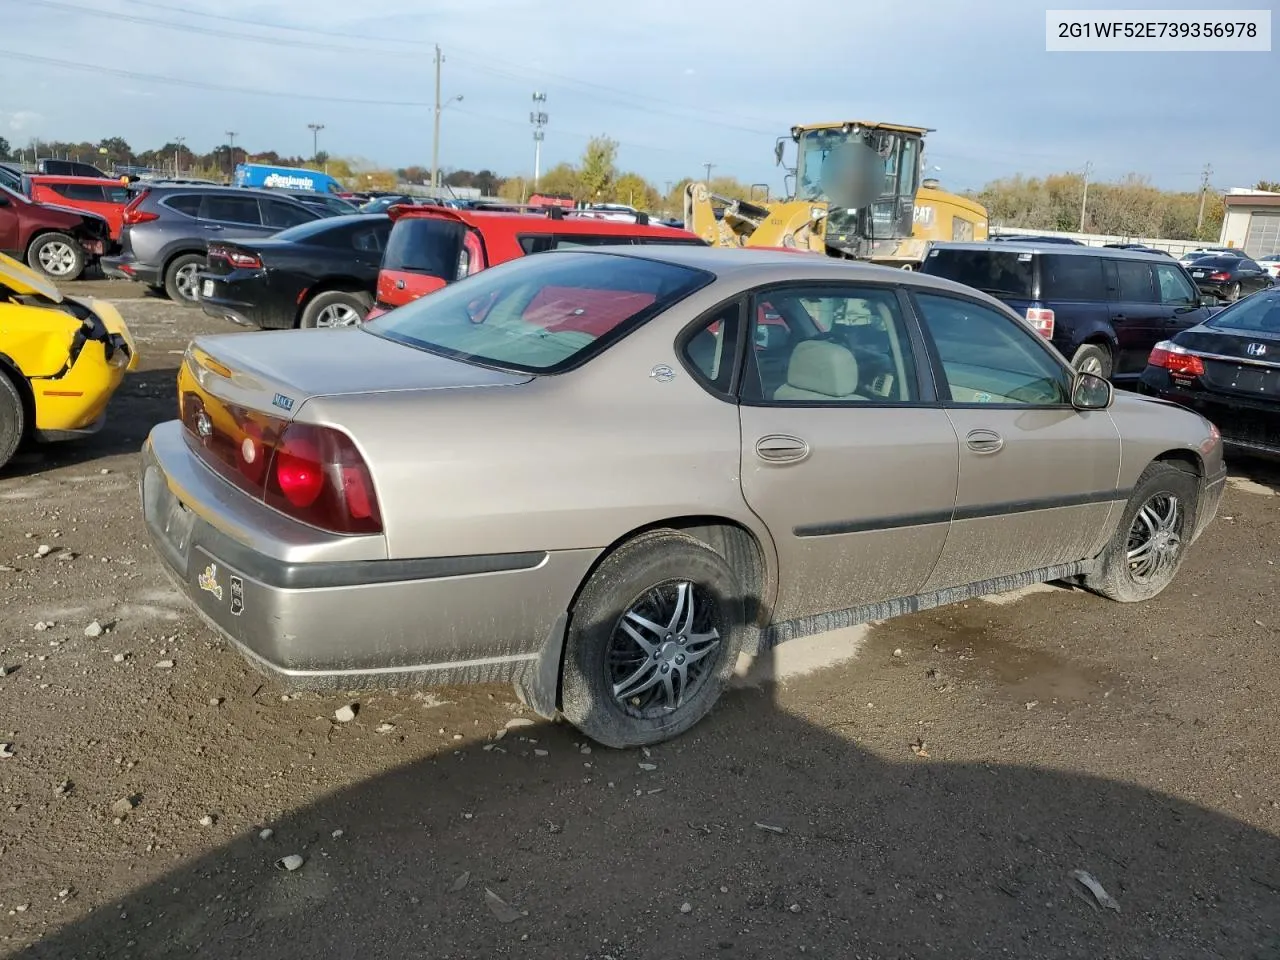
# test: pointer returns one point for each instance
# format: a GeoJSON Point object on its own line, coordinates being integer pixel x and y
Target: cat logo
{"type": "Point", "coordinates": [209, 581]}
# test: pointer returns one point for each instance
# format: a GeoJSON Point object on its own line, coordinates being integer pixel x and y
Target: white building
{"type": "Point", "coordinates": [1251, 222]}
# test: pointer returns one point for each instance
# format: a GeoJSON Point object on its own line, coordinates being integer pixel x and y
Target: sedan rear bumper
{"type": "Point", "coordinates": [346, 624]}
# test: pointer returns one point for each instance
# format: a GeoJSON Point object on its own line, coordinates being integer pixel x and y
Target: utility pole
{"type": "Point", "coordinates": [315, 129]}
{"type": "Point", "coordinates": [177, 152]}
{"type": "Point", "coordinates": [539, 120]}
{"type": "Point", "coordinates": [709, 165]}
{"type": "Point", "coordinates": [231, 150]}
{"type": "Point", "coordinates": [1204, 190]}
{"type": "Point", "coordinates": [435, 136]}
{"type": "Point", "coordinates": [1084, 201]}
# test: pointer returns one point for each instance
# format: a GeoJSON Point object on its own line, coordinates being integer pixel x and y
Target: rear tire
{"type": "Point", "coordinates": [1233, 293]}
{"type": "Point", "coordinates": [56, 255]}
{"type": "Point", "coordinates": [335, 308]}
{"type": "Point", "coordinates": [180, 279]}
{"type": "Point", "coordinates": [657, 676]}
{"type": "Point", "coordinates": [12, 418]}
{"type": "Point", "coordinates": [1151, 540]}
{"type": "Point", "coordinates": [1093, 358]}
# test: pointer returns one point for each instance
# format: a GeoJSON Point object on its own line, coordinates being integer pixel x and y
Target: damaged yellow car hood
{"type": "Point", "coordinates": [24, 281]}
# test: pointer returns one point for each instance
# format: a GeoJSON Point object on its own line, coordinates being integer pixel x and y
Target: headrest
{"type": "Point", "coordinates": [821, 366]}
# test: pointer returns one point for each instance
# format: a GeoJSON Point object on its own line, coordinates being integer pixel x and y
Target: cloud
{"type": "Point", "coordinates": [22, 121]}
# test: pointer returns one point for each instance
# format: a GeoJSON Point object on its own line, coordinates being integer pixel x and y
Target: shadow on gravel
{"type": "Point", "coordinates": [144, 399]}
{"type": "Point", "coordinates": [1257, 469]}
{"type": "Point", "coordinates": [753, 812]}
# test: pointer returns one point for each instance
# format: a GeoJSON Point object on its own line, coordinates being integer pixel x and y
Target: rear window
{"type": "Point", "coordinates": [425, 245]}
{"type": "Point", "coordinates": [1218, 263]}
{"type": "Point", "coordinates": [995, 272]}
{"type": "Point", "coordinates": [540, 314]}
{"type": "Point", "coordinates": [1257, 314]}
{"type": "Point", "coordinates": [1066, 277]}
{"type": "Point", "coordinates": [84, 192]}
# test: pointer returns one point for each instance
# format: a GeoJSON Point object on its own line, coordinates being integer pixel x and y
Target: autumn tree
{"type": "Point", "coordinates": [598, 168]}
{"type": "Point", "coordinates": [561, 180]}
{"type": "Point", "coordinates": [5, 151]}
{"type": "Point", "coordinates": [1270, 186]}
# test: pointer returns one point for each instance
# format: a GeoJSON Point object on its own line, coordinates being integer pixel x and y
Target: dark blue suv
{"type": "Point", "coordinates": [1103, 308]}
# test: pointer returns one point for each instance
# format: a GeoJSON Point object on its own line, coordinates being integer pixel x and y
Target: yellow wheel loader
{"type": "Point", "coordinates": [856, 192]}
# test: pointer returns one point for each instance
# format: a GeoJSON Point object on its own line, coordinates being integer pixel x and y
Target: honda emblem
{"type": "Point", "coordinates": [1256, 349]}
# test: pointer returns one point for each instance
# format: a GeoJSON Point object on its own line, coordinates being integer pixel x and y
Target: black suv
{"type": "Point", "coordinates": [167, 229]}
{"type": "Point", "coordinates": [1103, 308]}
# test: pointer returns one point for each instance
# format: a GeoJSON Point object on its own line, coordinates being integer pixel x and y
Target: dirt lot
{"type": "Point", "coordinates": [1052, 732]}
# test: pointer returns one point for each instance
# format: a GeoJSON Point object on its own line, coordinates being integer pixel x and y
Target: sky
{"type": "Point", "coordinates": [677, 84]}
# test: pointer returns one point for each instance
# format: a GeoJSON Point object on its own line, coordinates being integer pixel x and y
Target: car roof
{"type": "Point", "coordinates": [67, 178]}
{"type": "Point", "coordinates": [761, 266]}
{"type": "Point", "coordinates": [1062, 249]}
{"type": "Point", "coordinates": [540, 222]}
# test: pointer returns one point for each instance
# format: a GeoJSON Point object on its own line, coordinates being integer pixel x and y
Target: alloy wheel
{"type": "Point", "coordinates": [1091, 364]}
{"type": "Point", "coordinates": [185, 280]}
{"type": "Point", "coordinates": [1155, 538]}
{"type": "Point", "coordinates": [57, 258]}
{"type": "Point", "coordinates": [337, 315]}
{"type": "Point", "coordinates": [660, 653]}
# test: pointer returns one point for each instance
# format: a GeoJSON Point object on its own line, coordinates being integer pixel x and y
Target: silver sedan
{"type": "Point", "coordinates": [604, 474]}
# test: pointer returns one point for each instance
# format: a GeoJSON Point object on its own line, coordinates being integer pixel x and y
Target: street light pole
{"type": "Point", "coordinates": [231, 150]}
{"type": "Point", "coordinates": [315, 129]}
{"type": "Point", "coordinates": [435, 134]}
{"type": "Point", "coordinates": [710, 166]}
{"type": "Point", "coordinates": [539, 120]}
{"type": "Point", "coordinates": [177, 151]}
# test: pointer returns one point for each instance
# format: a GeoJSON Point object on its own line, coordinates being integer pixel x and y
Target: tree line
{"type": "Point", "coordinates": [1130, 207]}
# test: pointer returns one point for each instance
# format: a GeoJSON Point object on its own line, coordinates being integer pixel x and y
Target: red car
{"type": "Point", "coordinates": [54, 239]}
{"type": "Point", "coordinates": [430, 247]}
{"type": "Point", "coordinates": [107, 198]}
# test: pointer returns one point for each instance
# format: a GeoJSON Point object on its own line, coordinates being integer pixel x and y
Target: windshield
{"type": "Point", "coordinates": [998, 273]}
{"type": "Point", "coordinates": [540, 314]}
{"type": "Point", "coordinates": [815, 147]}
{"type": "Point", "coordinates": [1257, 314]}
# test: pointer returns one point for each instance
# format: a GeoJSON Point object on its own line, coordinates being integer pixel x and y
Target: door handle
{"type": "Point", "coordinates": [984, 441]}
{"type": "Point", "coordinates": [213, 226]}
{"type": "Point", "coordinates": [779, 448]}
{"type": "Point", "coordinates": [1119, 316]}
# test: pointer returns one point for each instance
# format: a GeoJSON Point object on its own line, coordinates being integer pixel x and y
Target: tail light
{"type": "Point", "coordinates": [1042, 319]}
{"type": "Point", "coordinates": [1220, 276]}
{"type": "Point", "coordinates": [471, 256]}
{"type": "Point", "coordinates": [132, 215]}
{"type": "Point", "coordinates": [312, 473]}
{"type": "Point", "coordinates": [1177, 360]}
{"type": "Point", "coordinates": [237, 258]}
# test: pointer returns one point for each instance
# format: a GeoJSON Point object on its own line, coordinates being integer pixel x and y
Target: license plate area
{"type": "Point", "coordinates": [206, 289]}
{"type": "Point", "coordinates": [169, 518]}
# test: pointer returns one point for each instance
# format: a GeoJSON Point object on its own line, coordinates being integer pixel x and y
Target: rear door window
{"type": "Point", "coordinates": [999, 273]}
{"type": "Point", "coordinates": [1133, 281]}
{"type": "Point", "coordinates": [83, 192]}
{"type": "Point", "coordinates": [230, 209]}
{"type": "Point", "coordinates": [277, 214]}
{"type": "Point", "coordinates": [1071, 277]}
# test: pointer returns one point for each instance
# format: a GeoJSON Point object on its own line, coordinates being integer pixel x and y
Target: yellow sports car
{"type": "Point", "coordinates": [61, 359]}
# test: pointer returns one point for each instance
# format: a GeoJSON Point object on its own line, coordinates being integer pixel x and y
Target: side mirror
{"type": "Point", "coordinates": [1208, 301]}
{"type": "Point", "coordinates": [1091, 392]}
{"type": "Point", "coordinates": [778, 149]}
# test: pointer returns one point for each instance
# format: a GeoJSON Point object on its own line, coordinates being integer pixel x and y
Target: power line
{"type": "Point", "coordinates": [201, 85]}
{"type": "Point", "coordinates": [209, 31]}
{"type": "Point", "coordinates": [340, 34]}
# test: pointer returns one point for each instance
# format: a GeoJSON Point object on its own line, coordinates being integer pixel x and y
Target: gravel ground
{"type": "Point", "coordinates": [921, 788]}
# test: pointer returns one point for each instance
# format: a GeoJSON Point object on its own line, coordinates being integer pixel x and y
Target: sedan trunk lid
{"type": "Point", "coordinates": [275, 372]}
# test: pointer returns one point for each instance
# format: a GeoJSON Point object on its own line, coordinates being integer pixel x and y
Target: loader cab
{"type": "Point", "coordinates": [870, 228]}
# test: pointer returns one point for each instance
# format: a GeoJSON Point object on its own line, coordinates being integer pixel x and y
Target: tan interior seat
{"type": "Point", "coordinates": [820, 370]}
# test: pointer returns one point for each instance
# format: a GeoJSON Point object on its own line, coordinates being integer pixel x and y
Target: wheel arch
{"type": "Point", "coordinates": [1185, 459]}
{"type": "Point", "coordinates": [343, 282]}
{"type": "Point", "coordinates": [14, 374]}
{"type": "Point", "coordinates": [745, 549]}
{"type": "Point", "coordinates": [171, 255]}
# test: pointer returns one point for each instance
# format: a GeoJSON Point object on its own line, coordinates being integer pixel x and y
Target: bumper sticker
{"type": "Point", "coordinates": [209, 581]}
{"type": "Point", "coordinates": [237, 596]}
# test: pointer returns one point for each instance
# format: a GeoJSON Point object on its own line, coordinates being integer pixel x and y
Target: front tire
{"type": "Point", "coordinates": [653, 640]}
{"type": "Point", "coordinates": [180, 279]}
{"type": "Point", "coordinates": [1147, 549]}
{"type": "Point", "coordinates": [1093, 358]}
{"type": "Point", "coordinates": [56, 255]}
{"type": "Point", "coordinates": [12, 419]}
{"type": "Point", "coordinates": [335, 308]}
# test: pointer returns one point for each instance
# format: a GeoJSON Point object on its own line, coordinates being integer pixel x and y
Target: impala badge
{"type": "Point", "coordinates": [1256, 349]}
{"type": "Point", "coordinates": [662, 373]}
{"type": "Point", "coordinates": [204, 426]}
